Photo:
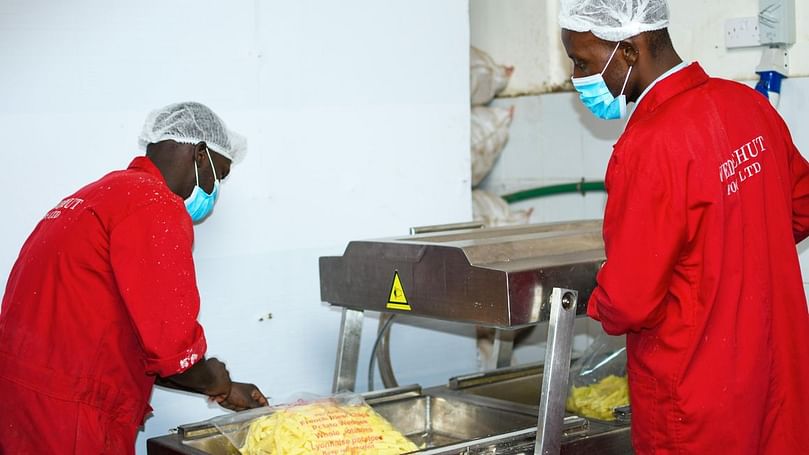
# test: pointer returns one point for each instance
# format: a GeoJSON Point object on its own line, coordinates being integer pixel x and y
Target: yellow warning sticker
{"type": "Point", "coordinates": [397, 299]}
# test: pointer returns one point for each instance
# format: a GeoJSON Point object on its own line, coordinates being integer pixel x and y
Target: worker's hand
{"type": "Point", "coordinates": [241, 397]}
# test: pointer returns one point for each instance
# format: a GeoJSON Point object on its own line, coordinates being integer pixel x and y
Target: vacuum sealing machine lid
{"type": "Point", "coordinates": [497, 277]}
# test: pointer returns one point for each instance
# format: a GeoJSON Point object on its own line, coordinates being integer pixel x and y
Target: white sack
{"type": "Point", "coordinates": [489, 136]}
{"type": "Point", "coordinates": [486, 78]}
{"type": "Point", "coordinates": [493, 210]}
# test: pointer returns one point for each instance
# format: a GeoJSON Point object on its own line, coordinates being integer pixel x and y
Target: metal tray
{"type": "Point", "coordinates": [429, 421]}
{"type": "Point", "coordinates": [520, 386]}
{"type": "Point", "coordinates": [441, 421]}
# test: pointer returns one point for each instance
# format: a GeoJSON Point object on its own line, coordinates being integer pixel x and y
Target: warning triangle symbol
{"type": "Point", "coordinates": [397, 294]}
{"type": "Point", "coordinates": [397, 299]}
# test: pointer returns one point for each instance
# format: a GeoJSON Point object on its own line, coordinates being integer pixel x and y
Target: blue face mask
{"type": "Point", "coordinates": [200, 204]}
{"type": "Point", "coordinates": [596, 96]}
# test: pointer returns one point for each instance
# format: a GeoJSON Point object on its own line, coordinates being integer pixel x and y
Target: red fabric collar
{"type": "Point", "coordinates": [145, 164]}
{"type": "Point", "coordinates": [687, 78]}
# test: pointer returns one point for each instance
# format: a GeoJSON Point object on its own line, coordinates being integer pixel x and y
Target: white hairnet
{"type": "Point", "coordinates": [190, 123]}
{"type": "Point", "coordinates": [613, 20]}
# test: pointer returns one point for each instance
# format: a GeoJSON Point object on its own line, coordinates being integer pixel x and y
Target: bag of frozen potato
{"type": "Point", "coordinates": [598, 382]}
{"type": "Point", "coordinates": [342, 424]}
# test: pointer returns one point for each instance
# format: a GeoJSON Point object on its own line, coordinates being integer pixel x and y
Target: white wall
{"type": "Point", "coordinates": [357, 118]}
{"type": "Point", "coordinates": [525, 34]}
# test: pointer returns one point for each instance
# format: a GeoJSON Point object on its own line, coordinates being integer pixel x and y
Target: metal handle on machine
{"type": "Point", "coordinates": [381, 396]}
{"type": "Point", "coordinates": [196, 430]}
{"type": "Point", "coordinates": [557, 368]}
{"type": "Point", "coordinates": [445, 227]}
{"type": "Point", "coordinates": [494, 376]}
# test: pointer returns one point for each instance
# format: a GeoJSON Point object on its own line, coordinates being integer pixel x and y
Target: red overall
{"type": "Point", "coordinates": [102, 298]}
{"type": "Point", "coordinates": [707, 198]}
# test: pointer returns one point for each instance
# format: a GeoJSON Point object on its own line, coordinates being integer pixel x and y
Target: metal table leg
{"type": "Point", "coordinates": [557, 368]}
{"type": "Point", "coordinates": [348, 351]}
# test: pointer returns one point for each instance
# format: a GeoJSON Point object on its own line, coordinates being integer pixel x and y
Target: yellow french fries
{"type": "Point", "coordinates": [325, 428]}
{"type": "Point", "coordinates": [598, 400]}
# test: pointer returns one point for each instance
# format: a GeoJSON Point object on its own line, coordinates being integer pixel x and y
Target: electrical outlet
{"type": "Point", "coordinates": [741, 32]}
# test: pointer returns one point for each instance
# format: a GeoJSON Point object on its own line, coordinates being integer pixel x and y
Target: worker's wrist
{"type": "Point", "coordinates": [220, 390]}
{"type": "Point", "coordinates": [219, 387]}
{"type": "Point", "coordinates": [219, 379]}
{"type": "Point", "coordinates": [230, 389]}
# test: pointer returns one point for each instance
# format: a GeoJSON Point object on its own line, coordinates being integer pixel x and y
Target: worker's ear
{"type": "Point", "coordinates": [629, 51]}
{"type": "Point", "coordinates": [200, 153]}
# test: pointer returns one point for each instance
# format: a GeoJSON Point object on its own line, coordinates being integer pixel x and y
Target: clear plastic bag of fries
{"type": "Point", "coordinates": [598, 381]}
{"type": "Point", "coordinates": [338, 425]}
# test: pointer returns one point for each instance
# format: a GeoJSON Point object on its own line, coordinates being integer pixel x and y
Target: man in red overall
{"type": "Point", "coordinates": [102, 302]}
{"type": "Point", "coordinates": [707, 196]}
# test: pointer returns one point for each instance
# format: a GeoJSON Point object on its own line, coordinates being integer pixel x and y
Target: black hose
{"type": "Point", "coordinates": [385, 327]}
{"type": "Point", "coordinates": [383, 360]}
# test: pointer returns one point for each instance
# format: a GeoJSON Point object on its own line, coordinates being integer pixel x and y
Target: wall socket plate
{"type": "Point", "coordinates": [777, 21]}
{"type": "Point", "coordinates": [742, 32]}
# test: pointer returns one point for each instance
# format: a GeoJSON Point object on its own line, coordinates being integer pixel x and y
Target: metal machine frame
{"type": "Point", "coordinates": [555, 263]}
{"type": "Point", "coordinates": [554, 381]}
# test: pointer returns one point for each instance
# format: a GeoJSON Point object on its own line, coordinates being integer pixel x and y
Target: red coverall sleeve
{"type": "Point", "coordinates": [644, 231]}
{"type": "Point", "coordinates": [151, 253]}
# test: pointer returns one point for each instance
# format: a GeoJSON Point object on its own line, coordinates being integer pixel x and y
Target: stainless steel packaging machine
{"type": "Point", "coordinates": [505, 278]}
